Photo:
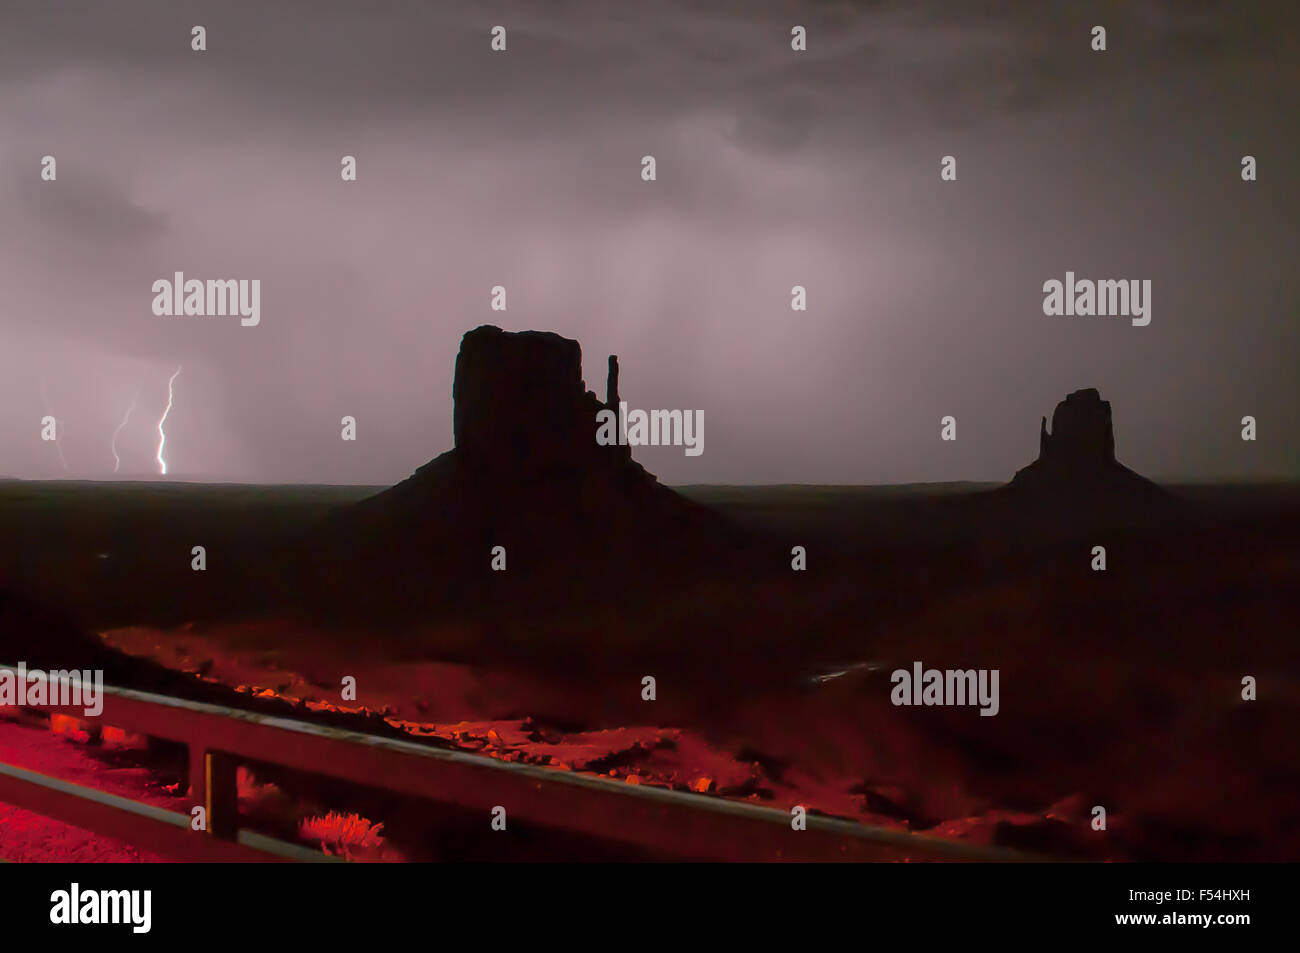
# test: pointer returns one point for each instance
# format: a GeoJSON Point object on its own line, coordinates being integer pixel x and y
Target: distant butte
{"type": "Point", "coordinates": [1076, 459]}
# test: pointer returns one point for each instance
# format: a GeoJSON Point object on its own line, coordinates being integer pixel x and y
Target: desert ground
{"type": "Point", "coordinates": [1120, 688]}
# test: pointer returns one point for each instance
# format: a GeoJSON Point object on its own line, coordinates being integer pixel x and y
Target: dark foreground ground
{"type": "Point", "coordinates": [1119, 688]}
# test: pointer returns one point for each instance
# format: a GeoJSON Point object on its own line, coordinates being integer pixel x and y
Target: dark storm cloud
{"type": "Point", "coordinates": [774, 169]}
{"type": "Point", "coordinates": [91, 208]}
{"type": "Point", "coordinates": [336, 58]}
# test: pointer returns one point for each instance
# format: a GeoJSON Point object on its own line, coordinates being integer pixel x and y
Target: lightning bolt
{"type": "Point", "coordinates": [117, 462]}
{"type": "Point", "coordinates": [58, 442]}
{"type": "Point", "coordinates": [162, 437]}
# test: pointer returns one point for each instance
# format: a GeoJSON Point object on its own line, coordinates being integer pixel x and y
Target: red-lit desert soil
{"type": "Point", "coordinates": [1150, 730]}
{"type": "Point", "coordinates": [803, 751]}
{"type": "Point", "coordinates": [25, 836]}
{"type": "Point", "coordinates": [836, 745]}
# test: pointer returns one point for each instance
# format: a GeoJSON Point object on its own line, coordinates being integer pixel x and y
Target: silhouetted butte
{"type": "Point", "coordinates": [526, 474]}
{"type": "Point", "coordinates": [1076, 473]}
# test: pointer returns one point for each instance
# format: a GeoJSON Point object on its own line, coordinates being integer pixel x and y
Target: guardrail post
{"type": "Point", "coordinates": [214, 786]}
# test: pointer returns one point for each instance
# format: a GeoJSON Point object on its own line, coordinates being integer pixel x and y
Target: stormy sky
{"type": "Point", "coordinates": [775, 168]}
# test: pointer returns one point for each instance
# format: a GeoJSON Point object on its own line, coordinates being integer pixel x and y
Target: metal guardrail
{"type": "Point", "coordinates": [164, 832]}
{"type": "Point", "coordinates": [665, 822]}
